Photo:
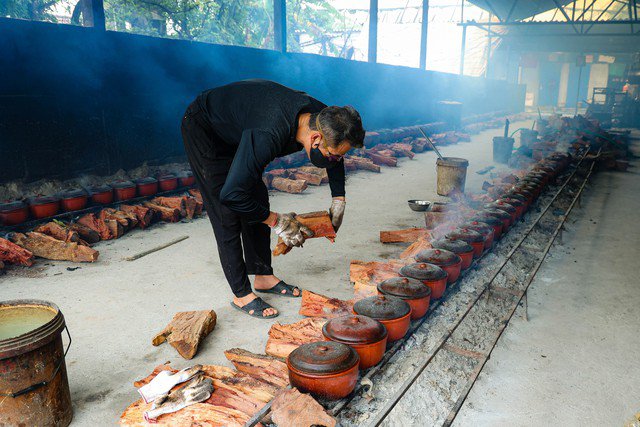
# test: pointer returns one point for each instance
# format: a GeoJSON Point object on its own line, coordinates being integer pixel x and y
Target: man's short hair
{"type": "Point", "coordinates": [338, 124]}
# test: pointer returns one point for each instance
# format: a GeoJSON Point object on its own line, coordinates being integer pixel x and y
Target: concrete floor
{"type": "Point", "coordinates": [114, 307]}
{"type": "Point", "coordinates": [575, 362]}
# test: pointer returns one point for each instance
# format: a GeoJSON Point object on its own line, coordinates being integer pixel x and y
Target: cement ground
{"type": "Point", "coordinates": [114, 307]}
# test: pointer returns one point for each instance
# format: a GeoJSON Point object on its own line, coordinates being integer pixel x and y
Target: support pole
{"type": "Point", "coordinates": [578, 91]}
{"type": "Point", "coordinates": [280, 25]}
{"type": "Point", "coordinates": [373, 31]}
{"type": "Point", "coordinates": [424, 34]}
{"type": "Point", "coordinates": [97, 8]}
{"type": "Point", "coordinates": [462, 49]}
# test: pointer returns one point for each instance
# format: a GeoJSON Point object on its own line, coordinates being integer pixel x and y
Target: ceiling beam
{"type": "Point", "coordinates": [543, 23]}
{"type": "Point", "coordinates": [586, 10]}
{"type": "Point", "coordinates": [491, 8]}
{"type": "Point", "coordinates": [513, 6]}
{"type": "Point", "coordinates": [602, 13]}
{"type": "Point", "coordinates": [559, 6]}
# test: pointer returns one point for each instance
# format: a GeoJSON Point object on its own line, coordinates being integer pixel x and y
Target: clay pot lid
{"type": "Point", "coordinates": [73, 194]}
{"type": "Point", "coordinates": [487, 219]}
{"type": "Point", "coordinates": [122, 184]}
{"type": "Point", "coordinates": [467, 234]}
{"type": "Point", "coordinates": [12, 206]}
{"type": "Point", "coordinates": [354, 329]}
{"type": "Point", "coordinates": [454, 245]}
{"type": "Point", "coordinates": [479, 226]}
{"type": "Point", "coordinates": [167, 177]}
{"type": "Point", "coordinates": [512, 194]}
{"type": "Point", "coordinates": [511, 201]}
{"type": "Point", "coordinates": [423, 271]}
{"type": "Point", "coordinates": [382, 307]}
{"type": "Point", "coordinates": [185, 174]}
{"type": "Point", "coordinates": [524, 192]}
{"type": "Point", "coordinates": [99, 189]}
{"type": "Point", "coordinates": [439, 257]}
{"type": "Point", "coordinates": [404, 287]}
{"type": "Point", "coordinates": [503, 206]}
{"type": "Point", "coordinates": [324, 357]}
{"type": "Point", "coordinates": [531, 180]}
{"type": "Point", "coordinates": [43, 200]}
{"type": "Point", "coordinates": [499, 213]}
{"type": "Point", "coordinates": [146, 180]}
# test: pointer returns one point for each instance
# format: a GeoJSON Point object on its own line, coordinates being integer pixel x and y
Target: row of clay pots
{"type": "Point", "coordinates": [17, 212]}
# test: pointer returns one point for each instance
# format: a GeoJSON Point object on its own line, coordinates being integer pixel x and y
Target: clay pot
{"type": "Point", "coordinates": [13, 213]}
{"type": "Point", "coordinates": [326, 369]}
{"type": "Point", "coordinates": [429, 274]}
{"type": "Point", "coordinates": [484, 229]}
{"type": "Point", "coordinates": [124, 190]}
{"type": "Point", "coordinates": [186, 179]}
{"type": "Point", "coordinates": [523, 193]}
{"type": "Point", "coordinates": [392, 312]}
{"type": "Point", "coordinates": [366, 336]}
{"type": "Point", "coordinates": [495, 223]}
{"type": "Point", "coordinates": [413, 291]}
{"type": "Point", "coordinates": [74, 200]}
{"type": "Point", "coordinates": [147, 186]}
{"type": "Point", "coordinates": [501, 215]}
{"type": "Point", "coordinates": [516, 203]}
{"type": "Point", "coordinates": [167, 182]}
{"type": "Point", "coordinates": [458, 247]}
{"type": "Point", "coordinates": [102, 195]}
{"type": "Point", "coordinates": [512, 211]}
{"type": "Point", "coordinates": [44, 207]}
{"type": "Point", "coordinates": [446, 260]}
{"type": "Point", "coordinates": [472, 237]}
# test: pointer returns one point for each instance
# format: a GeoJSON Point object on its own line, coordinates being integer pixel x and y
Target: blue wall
{"type": "Point", "coordinates": [76, 100]}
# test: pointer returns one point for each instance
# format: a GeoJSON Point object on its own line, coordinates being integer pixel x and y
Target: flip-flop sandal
{"type": "Point", "coordinates": [258, 306]}
{"type": "Point", "coordinates": [282, 286]}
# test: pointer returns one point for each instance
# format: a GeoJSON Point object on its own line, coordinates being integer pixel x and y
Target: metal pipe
{"type": "Point", "coordinates": [97, 10]}
{"type": "Point", "coordinates": [373, 31]}
{"type": "Point", "coordinates": [280, 25]}
{"type": "Point", "coordinates": [424, 34]}
{"type": "Point", "coordinates": [462, 49]}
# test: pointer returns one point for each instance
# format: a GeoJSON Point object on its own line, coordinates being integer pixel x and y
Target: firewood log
{"type": "Point", "coordinates": [1, 267]}
{"type": "Point", "coordinates": [266, 368]}
{"type": "Point", "coordinates": [198, 414]}
{"type": "Point", "coordinates": [349, 164]}
{"type": "Point", "coordinates": [365, 164]}
{"type": "Point", "coordinates": [240, 383]}
{"type": "Point", "coordinates": [174, 202]}
{"type": "Point", "coordinates": [419, 145]}
{"type": "Point", "coordinates": [49, 247]}
{"type": "Point", "coordinates": [86, 234]}
{"type": "Point", "coordinates": [407, 235]}
{"type": "Point", "coordinates": [126, 221]}
{"type": "Point", "coordinates": [283, 339]}
{"type": "Point", "coordinates": [379, 159]}
{"type": "Point", "coordinates": [316, 305]}
{"type": "Point", "coordinates": [367, 275]}
{"type": "Point", "coordinates": [311, 178]}
{"type": "Point", "coordinates": [190, 206]}
{"type": "Point", "coordinates": [105, 229]}
{"type": "Point", "coordinates": [11, 253]}
{"type": "Point", "coordinates": [417, 246]}
{"type": "Point", "coordinates": [196, 193]}
{"type": "Point", "coordinates": [186, 330]}
{"type": "Point", "coordinates": [316, 171]}
{"type": "Point", "coordinates": [287, 185]}
{"type": "Point", "coordinates": [143, 214]}
{"type": "Point", "coordinates": [163, 213]}
{"type": "Point", "coordinates": [294, 409]}
{"type": "Point", "coordinates": [402, 150]}
{"type": "Point", "coordinates": [60, 232]}
{"type": "Point", "coordinates": [231, 399]}
{"type": "Point", "coordinates": [318, 222]}
{"type": "Point", "coordinates": [275, 173]}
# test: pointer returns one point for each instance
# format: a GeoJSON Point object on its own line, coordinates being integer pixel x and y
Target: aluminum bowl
{"type": "Point", "coordinates": [419, 205]}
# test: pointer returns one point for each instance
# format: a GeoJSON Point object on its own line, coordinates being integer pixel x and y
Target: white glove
{"type": "Point", "coordinates": [165, 381]}
{"type": "Point", "coordinates": [336, 212]}
{"type": "Point", "coordinates": [197, 390]}
{"type": "Point", "coordinates": [290, 230]}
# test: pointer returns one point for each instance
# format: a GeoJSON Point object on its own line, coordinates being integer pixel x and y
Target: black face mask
{"type": "Point", "coordinates": [319, 160]}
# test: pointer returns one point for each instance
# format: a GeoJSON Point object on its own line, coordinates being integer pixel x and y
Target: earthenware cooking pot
{"type": "Point", "coordinates": [147, 186]}
{"type": "Point", "coordinates": [429, 274]}
{"type": "Point", "coordinates": [472, 237]}
{"type": "Point", "coordinates": [102, 195]}
{"type": "Point", "coordinates": [13, 213]}
{"type": "Point", "coordinates": [43, 207]}
{"type": "Point", "coordinates": [512, 211]}
{"type": "Point", "coordinates": [392, 312]}
{"type": "Point", "coordinates": [446, 260]}
{"type": "Point", "coordinates": [186, 179]}
{"type": "Point", "coordinates": [365, 335]}
{"type": "Point", "coordinates": [494, 222]}
{"type": "Point", "coordinates": [73, 200]}
{"type": "Point", "coordinates": [484, 229]}
{"type": "Point", "coordinates": [505, 217]}
{"type": "Point", "coordinates": [413, 291]}
{"type": "Point", "coordinates": [327, 369]}
{"type": "Point", "coordinates": [458, 247]}
{"type": "Point", "coordinates": [124, 190]}
{"type": "Point", "coordinates": [168, 182]}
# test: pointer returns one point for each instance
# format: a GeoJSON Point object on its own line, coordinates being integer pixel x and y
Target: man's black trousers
{"type": "Point", "coordinates": [210, 160]}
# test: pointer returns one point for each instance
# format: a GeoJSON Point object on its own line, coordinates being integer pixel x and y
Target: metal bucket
{"type": "Point", "coordinates": [502, 148]}
{"type": "Point", "coordinates": [452, 175]}
{"type": "Point", "coordinates": [528, 137]}
{"type": "Point", "coordinates": [34, 390]}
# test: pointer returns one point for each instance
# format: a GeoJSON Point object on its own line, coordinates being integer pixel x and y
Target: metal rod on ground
{"type": "Point", "coordinates": [506, 128]}
{"type": "Point", "coordinates": [156, 249]}
{"type": "Point", "coordinates": [433, 146]}
{"type": "Point", "coordinates": [258, 416]}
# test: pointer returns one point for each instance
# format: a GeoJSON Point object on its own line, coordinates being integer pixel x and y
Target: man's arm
{"type": "Point", "coordinates": [337, 184]}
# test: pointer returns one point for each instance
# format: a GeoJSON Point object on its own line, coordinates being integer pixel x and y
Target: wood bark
{"type": "Point", "coordinates": [310, 178]}
{"type": "Point", "coordinates": [363, 163]}
{"type": "Point", "coordinates": [319, 222]}
{"type": "Point", "coordinates": [196, 193]}
{"type": "Point", "coordinates": [317, 305]}
{"type": "Point", "coordinates": [143, 214]}
{"type": "Point", "coordinates": [264, 367]}
{"type": "Point", "coordinates": [87, 234]}
{"type": "Point", "coordinates": [198, 414]}
{"type": "Point", "coordinates": [380, 159]}
{"type": "Point", "coordinates": [283, 339]}
{"type": "Point", "coordinates": [415, 248]}
{"type": "Point", "coordinates": [10, 253]}
{"type": "Point", "coordinates": [407, 235]}
{"type": "Point", "coordinates": [60, 232]}
{"type": "Point", "coordinates": [293, 409]}
{"type": "Point", "coordinates": [175, 202]}
{"type": "Point", "coordinates": [287, 185]}
{"type": "Point", "coordinates": [191, 207]}
{"type": "Point", "coordinates": [163, 213]}
{"type": "Point", "coordinates": [49, 247]}
{"type": "Point", "coordinates": [107, 229]}
{"type": "Point", "coordinates": [125, 220]}
{"type": "Point", "coordinates": [186, 330]}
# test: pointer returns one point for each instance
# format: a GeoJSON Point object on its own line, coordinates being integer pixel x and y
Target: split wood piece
{"type": "Point", "coordinates": [319, 222]}
{"type": "Point", "coordinates": [146, 380]}
{"type": "Point", "coordinates": [407, 235]}
{"type": "Point", "coordinates": [186, 330]}
{"type": "Point", "coordinates": [275, 173]}
{"type": "Point", "coordinates": [317, 305]}
{"type": "Point", "coordinates": [240, 383]}
{"type": "Point", "coordinates": [434, 219]}
{"type": "Point", "coordinates": [264, 367]}
{"type": "Point", "coordinates": [367, 275]}
{"type": "Point", "coordinates": [379, 159]}
{"type": "Point", "coordinates": [1, 266]}
{"type": "Point", "coordinates": [310, 178]}
{"type": "Point", "coordinates": [286, 185]}
{"type": "Point", "coordinates": [48, 247]}
{"type": "Point", "coordinates": [415, 248]}
{"type": "Point", "coordinates": [226, 398]}
{"type": "Point", "coordinates": [10, 253]}
{"type": "Point", "coordinates": [190, 207]}
{"type": "Point", "coordinates": [363, 163]}
{"type": "Point", "coordinates": [316, 171]}
{"type": "Point", "coordinates": [87, 234]}
{"type": "Point", "coordinates": [126, 220]}
{"type": "Point", "coordinates": [104, 228]}
{"type": "Point", "coordinates": [60, 232]}
{"type": "Point", "coordinates": [419, 145]}
{"type": "Point", "coordinates": [173, 203]}
{"type": "Point", "coordinates": [403, 150]}
{"type": "Point", "coordinates": [283, 339]}
{"type": "Point", "coordinates": [349, 164]}
{"type": "Point", "coordinates": [196, 193]}
{"type": "Point", "coordinates": [293, 409]}
{"type": "Point", "coordinates": [198, 414]}
{"type": "Point", "coordinates": [143, 214]}
{"type": "Point", "coordinates": [163, 213]}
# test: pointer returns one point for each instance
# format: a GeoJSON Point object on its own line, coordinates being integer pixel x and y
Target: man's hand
{"type": "Point", "coordinates": [336, 212]}
{"type": "Point", "coordinates": [290, 230]}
